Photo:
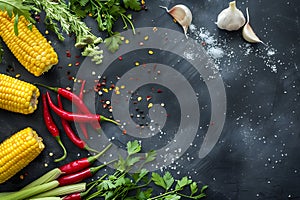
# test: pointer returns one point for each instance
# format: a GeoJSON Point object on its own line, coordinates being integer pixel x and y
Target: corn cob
{"type": "Point", "coordinates": [18, 96]}
{"type": "Point", "coordinates": [18, 151]}
{"type": "Point", "coordinates": [30, 47]}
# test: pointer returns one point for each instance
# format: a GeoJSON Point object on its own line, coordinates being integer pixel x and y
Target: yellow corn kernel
{"type": "Point", "coordinates": [30, 47]}
{"type": "Point", "coordinates": [18, 151]}
{"type": "Point", "coordinates": [17, 95]}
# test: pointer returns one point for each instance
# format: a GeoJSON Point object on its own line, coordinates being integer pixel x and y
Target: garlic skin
{"type": "Point", "coordinates": [231, 18]}
{"type": "Point", "coordinates": [248, 33]}
{"type": "Point", "coordinates": [182, 14]}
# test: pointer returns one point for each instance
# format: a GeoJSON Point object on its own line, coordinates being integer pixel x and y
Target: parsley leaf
{"type": "Point", "coordinates": [113, 42]}
{"type": "Point", "coordinates": [193, 188]}
{"type": "Point", "coordinates": [133, 147]}
{"type": "Point", "coordinates": [132, 4]}
{"type": "Point", "coordinates": [183, 182]}
{"type": "Point", "coordinates": [169, 180]}
{"type": "Point", "coordinates": [172, 197]}
{"type": "Point", "coordinates": [158, 180]}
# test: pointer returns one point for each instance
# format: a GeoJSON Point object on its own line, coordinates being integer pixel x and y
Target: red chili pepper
{"type": "Point", "coordinates": [52, 128]}
{"type": "Point", "coordinates": [74, 99]}
{"type": "Point", "coordinates": [82, 125]}
{"type": "Point", "coordinates": [80, 176]}
{"type": "Point", "coordinates": [74, 196]}
{"type": "Point", "coordinates": [82, 163]}
{"type": "Point", "coordinates": [76, 117]}
{"type": "Point", "coordinates": [70, 133]}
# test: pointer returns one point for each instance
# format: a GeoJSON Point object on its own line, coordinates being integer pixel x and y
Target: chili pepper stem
{"type": "Point", "coordinates": [54, 89]}
{"type": "Point", "coordinates": [57, 138]}
{"type": "Point", "coordinates": [86, 147]}
{"type": "Point", "coordinates": [92, 159]}
{"type": "Point", "coordinates": [94, 170]}
{"type": "Point", "coordinates": [102, 118]}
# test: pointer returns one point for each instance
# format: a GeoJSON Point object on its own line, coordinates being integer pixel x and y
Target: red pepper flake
{"type": "Point", "coordinates": [77, 63]}
{"type": "Point", "coordinates": [148, 98]}
{"type": "Point", "coordinates": [68, 53]}
{"type": "Point", "coordinates": [77, 56]}
{"type": "Point", "coordinates": [159, 91]}
{"type": "Point", "coordinates": [203, 43]}
{"type": "Point", "coordinates": [120, 58]}
{"type": "Point", "coordinates": [37, 18]}
{"type": "Point", "coordinates": [124, 132]}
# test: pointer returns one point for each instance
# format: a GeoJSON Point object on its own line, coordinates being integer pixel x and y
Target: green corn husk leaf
{"type": "Point", "coordinates": [29, 192]}
{"type": "Point", "coordinates": [48, 177]}
{"type": "Point", "coordinates": [63, 190]}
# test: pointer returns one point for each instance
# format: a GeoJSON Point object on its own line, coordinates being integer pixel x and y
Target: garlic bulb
{"type": "Point", "coordinates": [182, 14]}
{"type": "Point", "coordinates": [248, 33]}
{"type": "Point", "coordinates": [230, 18]}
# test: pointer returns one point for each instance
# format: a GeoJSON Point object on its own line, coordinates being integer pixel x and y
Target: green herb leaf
{"type": "Point", "coordinates": [138, 176]}
{"type": "Point", "coordinates": [120, 181]}
{"type": "Point", "coordinates": [199, 196]}
{"type": "Point", "coordinates": [132, 4]}
{"type": "Point", "coordinates": [105, 185]}
{"type": "Point", "coordinates": [83, 2]}
{"type": "Point", "coordinates": [133, 147]}
{"type": "Point", "coordinates": [169, 180]}
{"type": "Point", "coordinates": [131, 161]}
{"type": "Point", "coordinates": [204, 188]}
{"type": "Point", "coordinates": [193, 188]}
{"type": "Point", "coordinates": [146, 194]}
{"type": "Point", "coordinates": [172, 197]}
{"type": "Point", "coordinates": [16, 8]}
{"type": "Point", "coordinates": [182, 183]}
{"type": "Point", "coordinates": [158, 180]}
{"type": "Point", "coordinates": [16, 25]}
{"type": "Point", "coordinates": [113, 42]}
{"type": "Point", "coordinates": [150, 156]}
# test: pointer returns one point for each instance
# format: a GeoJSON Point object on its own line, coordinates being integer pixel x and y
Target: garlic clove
{"type": "Point", "coordinates": [182, 14]}
{"type": "Point", "coordinates": [248, 33]}
{"type": "Point", "coordinates": [231, 18]}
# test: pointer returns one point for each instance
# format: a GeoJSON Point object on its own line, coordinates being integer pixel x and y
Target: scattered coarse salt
{"type": "Point", "coordinates": [215, 52]}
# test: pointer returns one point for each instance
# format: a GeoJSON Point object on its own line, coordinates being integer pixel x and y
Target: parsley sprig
{"type": "Point", "coordinates": [140, 185]}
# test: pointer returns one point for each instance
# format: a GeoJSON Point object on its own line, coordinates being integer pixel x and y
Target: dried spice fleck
{"type": "Point", "coordinates": [120, 58]}
{"type": "Point", "coordinates": [77, 63]}
{"type": "Point", "coordinates": [148, 98]}
{"type": "Point", "coordinates": [159, 91]}
{"type": "Point", "coordinates": [150, 105]}
{"type": "Point", "coordinates": [146, 37]}
{"type": "Point", "coordinates": [68, 53]}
